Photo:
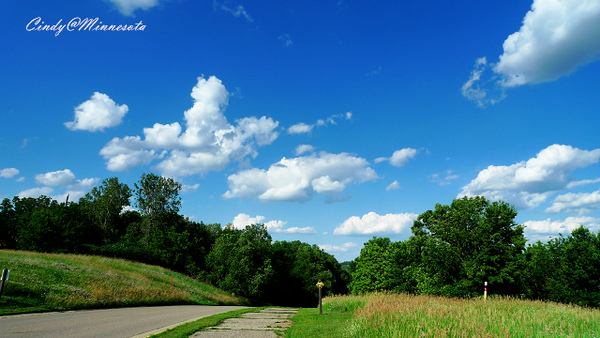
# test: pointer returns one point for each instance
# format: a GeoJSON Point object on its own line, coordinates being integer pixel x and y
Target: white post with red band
{"type": "Point", "coordinates": [484, 291]}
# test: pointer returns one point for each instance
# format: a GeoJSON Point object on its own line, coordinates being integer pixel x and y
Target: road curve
{"type": "Point", "coordinates": [122, 322]}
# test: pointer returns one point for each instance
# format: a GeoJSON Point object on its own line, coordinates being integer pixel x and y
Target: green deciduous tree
{"type": "Point", "coordinates": [104, 205]}
{"type": "Point", "coordinates": [157, 199]}
{"type": "Point", "coordinates": [55, 229]}
{"type": "Point", "coordinates": [566, 269]}
{"type": "Point", "coordinates": [9, 228]}
{"type": "Point", "coordinates": [371, 266]}
{"type": "Point", "coordinates": [467, 243]}
{"type": "Point", "coordinates": [241, 261]}
{"type": "Point", "coordinates": [298, 266]}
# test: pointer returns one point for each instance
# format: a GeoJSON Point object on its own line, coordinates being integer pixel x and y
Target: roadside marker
{"type": "Point", "coordinates": [320, 286]}
{"type": "Point", "coordinates": [484, 291]}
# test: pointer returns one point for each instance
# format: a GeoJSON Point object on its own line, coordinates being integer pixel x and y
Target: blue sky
{"type": "Point", "coordinates": [329, 121]}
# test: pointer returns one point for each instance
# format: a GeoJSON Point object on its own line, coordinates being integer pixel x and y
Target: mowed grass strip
{"type": "Point", "coordinates": [49, 282]}
{"type": "Point", "coordinates": [401, 315]}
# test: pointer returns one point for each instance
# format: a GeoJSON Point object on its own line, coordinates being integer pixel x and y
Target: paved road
{"type": "Point", "coordinates": [124, 322]}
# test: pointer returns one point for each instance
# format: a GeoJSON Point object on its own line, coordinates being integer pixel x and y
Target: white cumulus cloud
{"type": "Point", "coordinates": [296, 179]}
{"type": "Point", "coordinates": [337, 248]}
{"type": "Point", "coordinates": [529, 183]}
{"type": "Point", "coordinates": [9, 172]}
{"type": "Point", "coordinates": [208, 141]}
{"type": "Point", "coordinates": [97, 113]}
{"type": "Point", "coordinates": [36, 192]}
{"type": "Point", "coordinates": [56, 178]}
{"type": "Point", "coordinates": [556, 38]}
{"type": "Point", "coordinates": [300, 128]}
{"type": "Point", "coordinates": [562, 226]}
{"type": "Point", "coordinates": [400, 157]}
{"type": "Point", "coordinates": [373, 223]}
{"type": "Point", "coordinates": [242, 220]}
{"type": "Point", "coordinates": [576, 202]}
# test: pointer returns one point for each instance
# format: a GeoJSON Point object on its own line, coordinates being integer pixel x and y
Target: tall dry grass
{"type": "Point", "coordinates": [401, 315]}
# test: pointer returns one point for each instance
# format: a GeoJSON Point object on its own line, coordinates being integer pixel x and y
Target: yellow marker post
{"type": "Point", "coordinates": [320, 286]}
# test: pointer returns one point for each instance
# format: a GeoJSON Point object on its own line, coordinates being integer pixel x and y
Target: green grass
{"type": "Point", "coordinates": [50, 282]}
{"type": "Point", "coordinates": [187, 329]}
{"type": "Point", "coordinates": [336, 316]}
{"type": "Point", "coordinates": [400, 315]}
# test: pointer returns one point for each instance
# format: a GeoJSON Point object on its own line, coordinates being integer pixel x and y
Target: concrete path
{"type": "Point", "coordinates": [263, 324]}
{"type": "Point", "coordinates": [123, 322]}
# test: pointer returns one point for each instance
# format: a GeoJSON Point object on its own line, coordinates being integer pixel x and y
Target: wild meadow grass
{"type": "Point", "coordinates": [46, 282]}
{"type": "Point", "coordinates": [401, 315]}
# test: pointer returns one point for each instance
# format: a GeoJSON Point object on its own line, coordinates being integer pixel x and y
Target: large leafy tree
{"type": "Point", "coordinates": [370, 266]}
{"type": "Point", "coordinates": [57, 228]}
{"type": "Point", "coordinates": [104, 205]}
{"type": "Point", "coordinates": [241, 261]}
{"type": "Point", "coordinates": [157, 199]}
{"type": "Point", "coordinates": [468, 242]}
{"type": "Point", "coordinates": [8, 225]}
{"type": "Point", "coordinates": [299, 266]}
{"type": "Point", "coordinates": [565, 269]}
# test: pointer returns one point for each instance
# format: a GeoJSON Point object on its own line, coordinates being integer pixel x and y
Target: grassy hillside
{"type": "Point", "coordinates": [47, 282]}
{"type": "Point", "coordinates": [401, 315]}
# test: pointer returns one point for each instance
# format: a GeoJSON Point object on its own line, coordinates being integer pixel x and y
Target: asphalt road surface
{"type": "Point", "coordinates": [123, 322]}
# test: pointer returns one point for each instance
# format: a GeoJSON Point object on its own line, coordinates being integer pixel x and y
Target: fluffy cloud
{"type": "Point", "coordinates": [242, 220]}
{"type": "Point", "coordinates": [300, 128]}
{"type": "Point", "coordinates": [296, 179]}
{"type": "Point", "coordinates": [563, 226]}
{"type": "Point", "coordinates": [580, 202]}
{"type": "Point", "coordinates": [71, 187]}
{"type": "Point", "coordinates": [372, 223]}
{"type": "Point", "coordinates": [529, 183]}
{"type": "Point", "coordinates": [556, 38]}
{"type": "Point", "coordinates": [36, 192]}
{"type": "Point", "coordinates": [97, 113]}
{"type": "Point", "coordinates": [208, 142]}
{"type": "Point", "coordinates": [127, 152]}
{"type": "Point", "coordinates": [399, 157]}
{"type": "Point", "coordinates": [77, 189]}
{"type": "Point", "coordinates": [127, 7]}
{"type": "Point", "coordinates": [56, 178]}
{"type": "Point", "coordinates": [337, 248]}
{"type": "Point", "coordinates": [9, 172]}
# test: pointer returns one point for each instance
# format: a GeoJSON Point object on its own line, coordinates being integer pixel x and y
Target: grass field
{"type": "Point", "coordinates": [400, 315]}
{"type": "Point", "coordinates": [48, 282]}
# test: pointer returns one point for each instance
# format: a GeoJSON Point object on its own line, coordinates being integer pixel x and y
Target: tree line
{"type": "Point", "coordinates": [103, 222]}
{"type": "Point", "coordinates": [452, 251]}
{"type": "Point", "coordinates": [455, 248]}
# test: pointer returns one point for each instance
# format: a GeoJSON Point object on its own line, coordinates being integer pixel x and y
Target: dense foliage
{"type": "Point", "coordinates": [244, 261]}
{"type": "Point", "coordinates": [453, 249]}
